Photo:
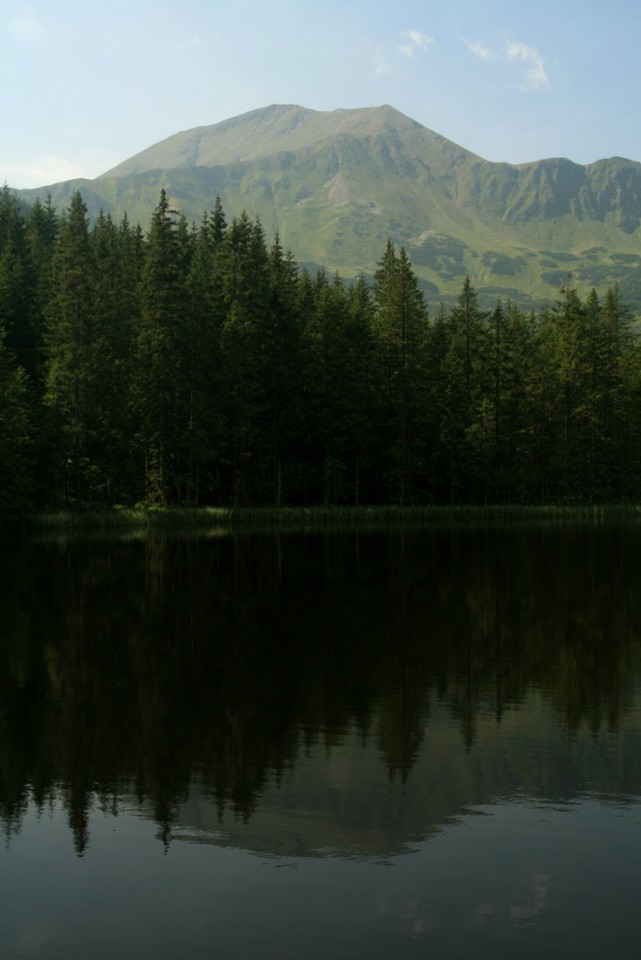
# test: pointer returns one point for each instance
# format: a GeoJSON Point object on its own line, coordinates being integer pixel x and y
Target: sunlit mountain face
{"type": "Point", "coordinates": [336, 185]}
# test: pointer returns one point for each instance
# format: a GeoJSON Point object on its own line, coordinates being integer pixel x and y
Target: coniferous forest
{"type": "Point", "coordinates": [198, 364]}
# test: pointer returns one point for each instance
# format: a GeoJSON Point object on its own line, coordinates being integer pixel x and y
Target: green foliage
{"type": "Point", "coordinates": [401, 324]}
{"type": "Point", "coordinates": [198, 365]}
{"type": "Point", "coordinates": [70, 397]}
{"type": "Point", "coordinates": [159, 382]}
{"type": "Point", "coordinates": [16, 438]}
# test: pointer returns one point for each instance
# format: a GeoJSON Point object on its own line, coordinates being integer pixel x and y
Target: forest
{"type": "Point", "coordinates": [198, 364]}
{"type": "Point", "coordinates": [145, 666]}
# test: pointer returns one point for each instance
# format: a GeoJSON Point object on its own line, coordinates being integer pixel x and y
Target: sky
{"type": "Point", "coordinates": [86, 85]}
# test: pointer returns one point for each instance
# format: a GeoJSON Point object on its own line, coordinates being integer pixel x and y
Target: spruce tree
{"type": "Point", "coordinates": [281, 343]}
{"type": "Point", "coordinates": [621, 399]}
{"type": "Point", "coordinates": [325, 395]}
{"type": "Point", "coordinates": [467, 416]}
{"type": "Point", "coordinates": [115, 313]}
{"type": "Point", "coordinates": [42, 232]}
{"type": "Point", "coordinates": [204, 317]}
{"type": "Point", "coordinates": [69, 390]}
{"type": "Point", "coordinates": [402, 325]}
{"type": "Point", "coordinates": [15, 294]}
{"type": "Point", "coordinates": [245, 274]}
{"type": "Point", "coordinates": [362, 396]}
{"type": "Point", "coordinates": [157, 387]}
{"type": "Point", "coordinates": [16, 434]}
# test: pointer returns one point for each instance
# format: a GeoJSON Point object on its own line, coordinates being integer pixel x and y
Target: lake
{"type": "Point", "coordinates": [366, 744]}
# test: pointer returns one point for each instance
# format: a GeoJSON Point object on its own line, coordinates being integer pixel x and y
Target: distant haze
{"type": "Point", "coordinates": [87, 85]}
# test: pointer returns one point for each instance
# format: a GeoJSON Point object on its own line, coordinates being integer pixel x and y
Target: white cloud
{"type": "Point", "coordinates": [386, 59]}
{"type": "Point", "coordinates": [415, 42]}
{"type": "Point", "coordinates": [480, 51]}
{"type": "Point", "coordinates": [189, 43]}
{"type": "Point", "coordinates": [26, 26]}
{"type": "Point", "coordinates": [381, 63]}
{"type": "Point", "coordinates": [535, 77]}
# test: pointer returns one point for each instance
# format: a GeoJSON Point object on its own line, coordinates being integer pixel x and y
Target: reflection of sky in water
{"type": "Point", "coordinates": [481, 800]}
{"type": "Point", "coordinates": [521, 869]}
{"type": "Point", "coordinates": [515, 874]}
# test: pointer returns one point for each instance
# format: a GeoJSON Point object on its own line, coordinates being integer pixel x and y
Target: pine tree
{"type": "Point", "coordinates": [69, 394]}
{"type": "Point", "coordinates": [115, 319]}
{"type": "Point", "coordinates": [467, 415]}
{"type": "Point", "coordinates": [281, 344]}
{"type": "Point", "coordinates": [402, 324]}
{"type": "Point", "coordinates": [362, 398]}
{"type": "Point", "coordinates": [42, 232]}
{"type": "Point", "coordinates": [569, 356]}
{"type": "Point", "coordinates": [438, 461]}
{"type": "Point", "coordinates": [15, 314]}
{"type": "Point", "coordinates": [510, 350]}
{"type": "Point", "coordinates": [157, 386]}
{"type": "Point", "coordinates": [245, 273]}
{"type": "Point", "coordinates": [325, 395]}
{"type": "Point", "coordinates": [621, 400]}
{"type": "Point", "coordinates": [16, 434]}
{"type": "Point", "coordinates": [203, 322]}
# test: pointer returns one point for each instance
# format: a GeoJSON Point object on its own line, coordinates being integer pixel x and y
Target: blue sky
{"type": "Point", "coordinates": [86, 84]}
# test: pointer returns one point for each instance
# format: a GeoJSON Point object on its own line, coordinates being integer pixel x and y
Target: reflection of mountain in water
{"type": "Point", "coordinates": [309, 693]}
{"type": "Point", "coordinates": [341, 802]}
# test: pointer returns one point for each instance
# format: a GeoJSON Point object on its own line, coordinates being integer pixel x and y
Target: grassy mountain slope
{"type": "Point", "coordinates": [336, 185]}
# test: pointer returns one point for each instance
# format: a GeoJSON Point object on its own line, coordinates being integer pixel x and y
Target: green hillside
{"type": "Point", "coordinates": [335, 185]}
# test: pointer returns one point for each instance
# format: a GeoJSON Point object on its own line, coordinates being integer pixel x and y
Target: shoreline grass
{"type": "Point", "coordinates": [231, 518]}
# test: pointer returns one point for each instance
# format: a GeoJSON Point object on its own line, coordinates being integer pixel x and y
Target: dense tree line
{"type": "Point", "coordinates": [197, 364]}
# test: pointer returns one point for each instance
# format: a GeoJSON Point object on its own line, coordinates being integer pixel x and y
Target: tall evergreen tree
{"type": "Point", "coordinates": [569, 354]}
{"type": "Point", "coordinates": [281, 343]}
{"type": "Point", "coordinates": [467, 415]}
{"type": "Point", "coordinates": [362, 397]}
{"type": "Point", "coordinates": [157, 387]}
{"type": "Point", "coordinates": [115, 319]}
{"type": "Point", "coordinates": [203, 322]}
{"type": "Point", "coordinates": [15, 314]}
{"type": "Point", "coordinates": [42, 233]}
{"type": "Point", "coordinates": [402, 323]}
{"type": "Point", "coordinates": [510, 350]}
{"type": "Point", "coordinates": [437, 459]}
{"type": "Point", "coordinates": [621, 400]}
{"type": "Point", "coordinates": [16, 434]}
{"type": "Point", "coordinates": [245, 272]}
{"type": "Point", "coordinates": [326, 389]}
{"type": "Point", "coordinates": [69, 391]}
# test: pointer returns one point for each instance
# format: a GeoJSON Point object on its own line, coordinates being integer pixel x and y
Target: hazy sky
{"type": "Point", "coordinates": [87, 84]}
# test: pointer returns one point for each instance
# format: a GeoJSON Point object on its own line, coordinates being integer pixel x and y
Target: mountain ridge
{"type": "Point", "coordinates": [279, 128]}
{"type": "Point", "coordinates": [336, 185]}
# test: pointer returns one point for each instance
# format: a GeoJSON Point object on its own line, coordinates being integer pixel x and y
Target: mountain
{"type": "Point", "coordinates": [336, 185]}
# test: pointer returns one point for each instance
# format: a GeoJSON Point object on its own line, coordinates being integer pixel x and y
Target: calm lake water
{"type": "Point", "coordinates": [408, 744]}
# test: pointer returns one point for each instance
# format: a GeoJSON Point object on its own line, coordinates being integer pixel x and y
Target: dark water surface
{"type": "Point", "coordinates": [370, 745]}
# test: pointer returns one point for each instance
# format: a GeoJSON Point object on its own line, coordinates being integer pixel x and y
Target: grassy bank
{"type": "Point", "coordinates": [310, 517]}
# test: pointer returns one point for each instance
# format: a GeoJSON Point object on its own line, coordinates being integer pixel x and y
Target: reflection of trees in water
{"type": "Point", "coordinates": [148, 664]}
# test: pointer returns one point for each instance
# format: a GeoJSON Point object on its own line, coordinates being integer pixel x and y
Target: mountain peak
{"type": "Point", "coordinates": [337, 185]}
{"type": "Point", "coordinates": [278, 128]}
